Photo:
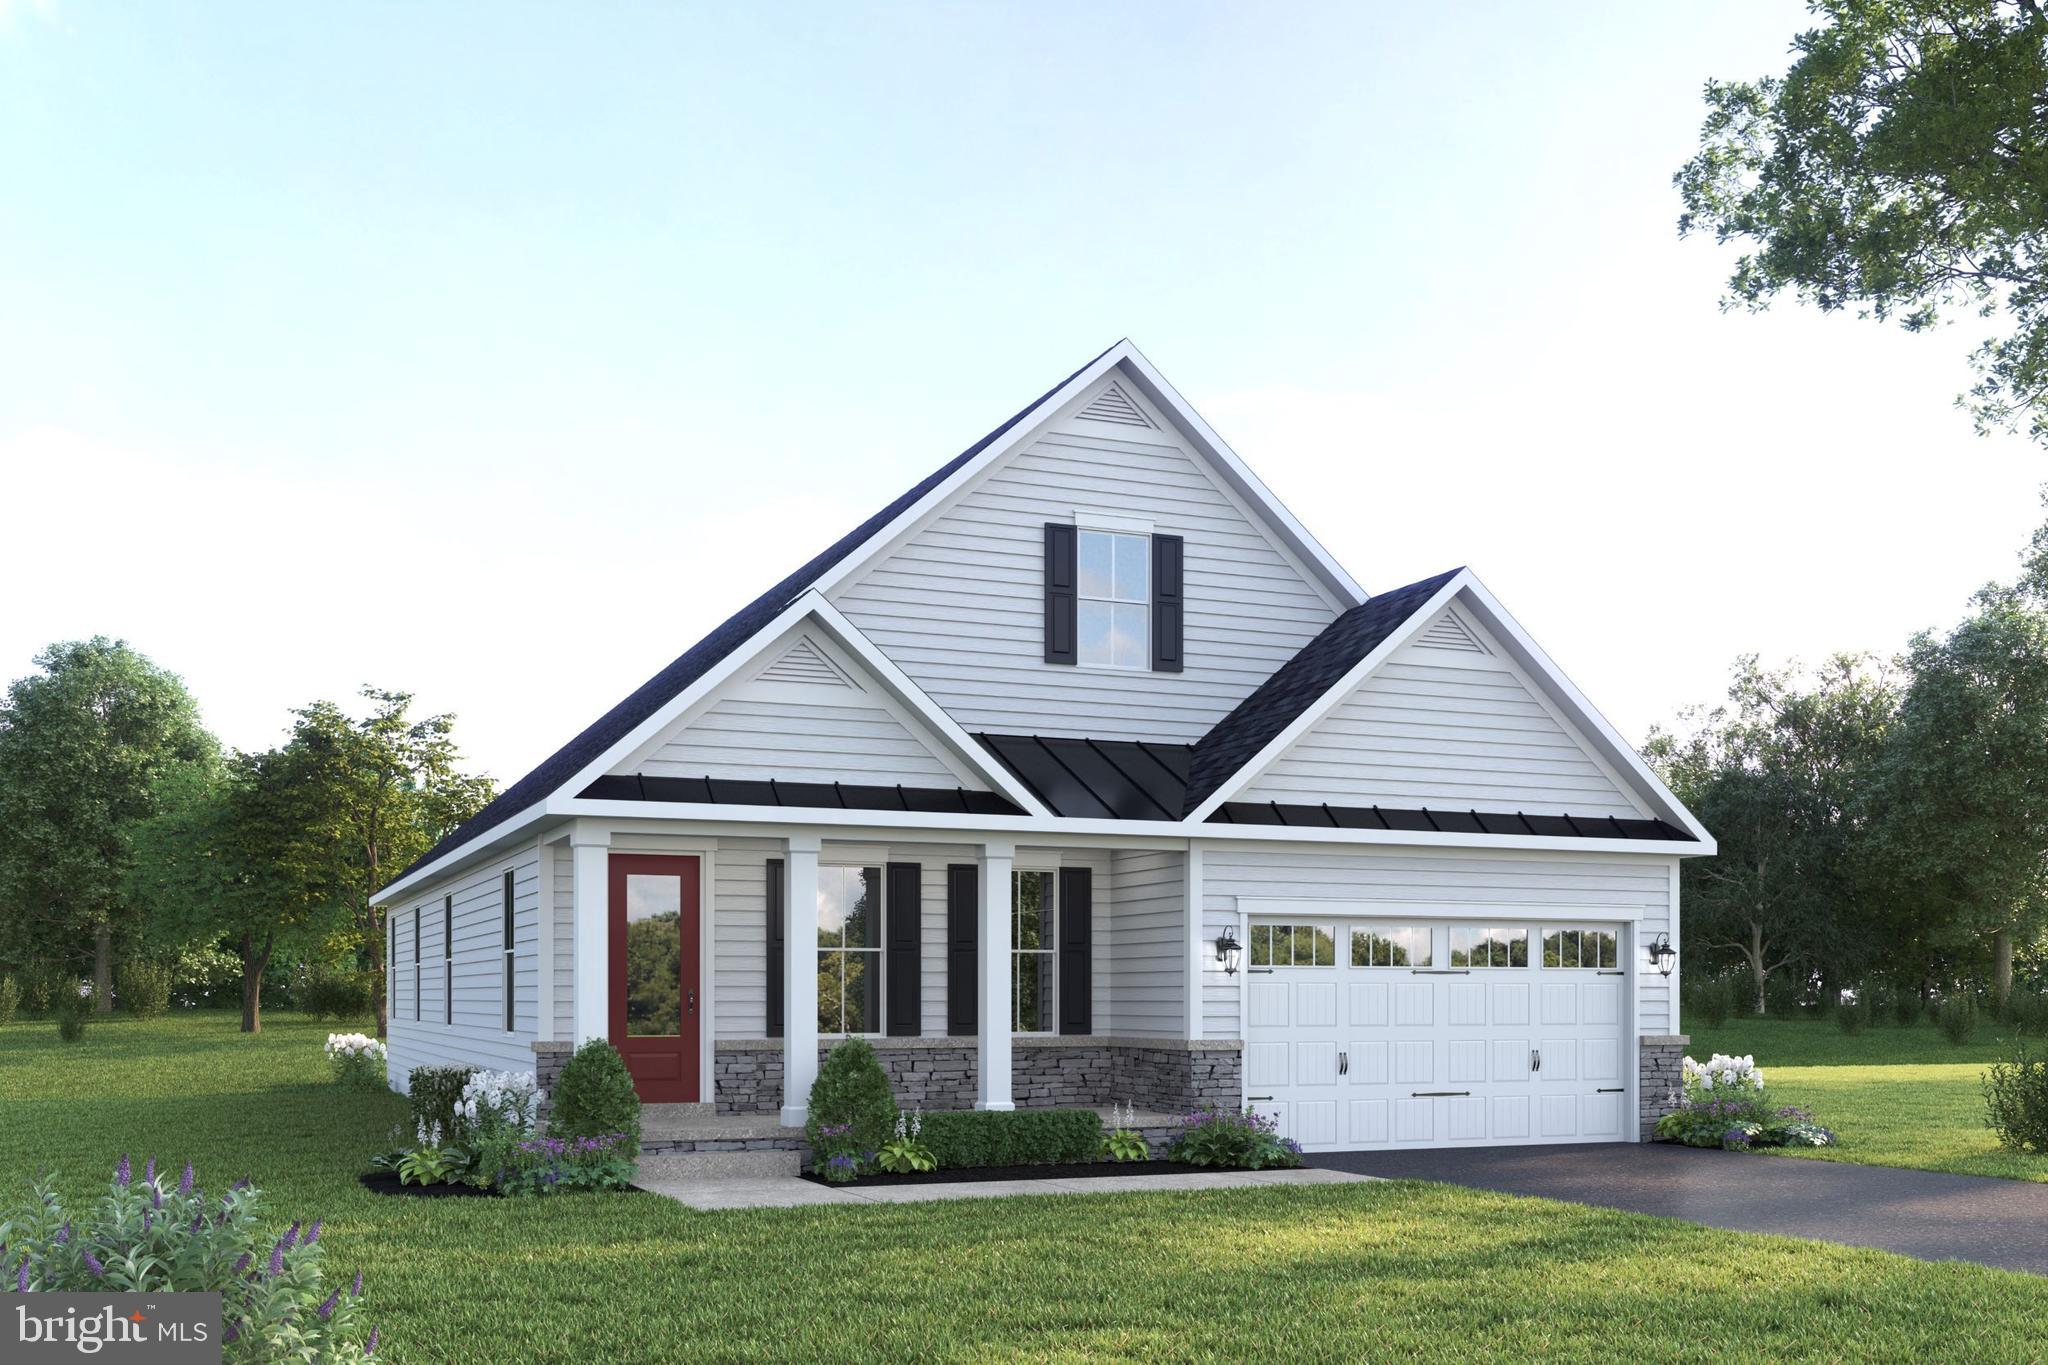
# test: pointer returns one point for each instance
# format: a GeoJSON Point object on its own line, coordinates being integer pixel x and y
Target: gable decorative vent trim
{"type": "Point", "coordinates": [802, 663]}
{"type": "Point", "coordinates": [1114, 405]}
{"type": "Point", "coordinates": [1448, 632]}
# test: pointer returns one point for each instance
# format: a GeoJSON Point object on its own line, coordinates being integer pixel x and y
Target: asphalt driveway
{"type": "Point", "coordinates": [1928, 1214]}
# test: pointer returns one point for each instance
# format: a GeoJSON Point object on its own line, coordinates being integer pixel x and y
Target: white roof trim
{"type": "Point", "coordinates": [809, 605]}
{"type": "Point", "coordinates": [1236, 475]}
{"type": "Point", "coordinates": [1609, 747]}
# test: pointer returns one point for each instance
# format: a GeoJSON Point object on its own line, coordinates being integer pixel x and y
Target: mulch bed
{"type": "Point", "coordinates": [386, 1182]}
{"type": "Point", "coordinates": [1077, 1170]}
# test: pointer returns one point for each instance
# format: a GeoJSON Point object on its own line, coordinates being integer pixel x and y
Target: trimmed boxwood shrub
{"type": "Point", "coordinates": [72, 1008]}
{"type": "Point", "coordinates": [433, 1091]}
{"type": "Point", "coordinates": [851, 1089]}
{"type": "Point", "coordinates": [594, 1096]}
{"type": "Point", "coordinates": [1015, 1137]}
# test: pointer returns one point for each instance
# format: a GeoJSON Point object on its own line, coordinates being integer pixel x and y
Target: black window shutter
{"type": "Point", "coordinates": [1062, 584]}
{"type": "Point", "coordinates": [1166, 604]}
{"type": "Point", "coordinates": [902, 946]}
{"type": "Point", "coordinates": [775, 965]}
{"type": "Point", "coordinates": [1077, 974]}
{"type": "Point", "coordinates": [962, 913]}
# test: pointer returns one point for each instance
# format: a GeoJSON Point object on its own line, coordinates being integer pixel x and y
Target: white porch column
{"type": "Point", "coordinates": [992, 1056]}
{"type": "Point", "coordinates": [590, 868]}
{"type": "Point", "coordinates": [799, 969]}
{"type": "Point", "coordinates": [544, 945]}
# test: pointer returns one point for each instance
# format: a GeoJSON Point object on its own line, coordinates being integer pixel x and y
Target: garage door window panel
{"type": "Point", "coordinates": [1293, 945]}
{"type": "Point", "coordinates": [1482, 946]}
{"type": "Point", "coordinates": [1591, 949]}
{"type": "Point", "coordinates": [1391, 946]}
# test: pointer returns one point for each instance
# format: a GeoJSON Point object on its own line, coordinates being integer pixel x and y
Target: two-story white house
{"type": "Point", "coordinates": [1082, 774]}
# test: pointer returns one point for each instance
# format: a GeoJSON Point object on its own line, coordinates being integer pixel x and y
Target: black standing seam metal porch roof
{"type": "Point", "coordinates": [1124, 779]}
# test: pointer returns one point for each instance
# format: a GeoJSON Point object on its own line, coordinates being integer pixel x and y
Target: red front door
{"type": "Point", "coordinates": [654, 943]}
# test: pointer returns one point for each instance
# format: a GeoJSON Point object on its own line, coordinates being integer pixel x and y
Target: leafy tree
{"type": "Point", "coordinates": [1776, 776]}
{"type": "Point", "coordinates": [1900, 167]}
{"type": "Point", "coordinates": [221, 863]}
{"type": "Point", "coordinates": [86, 747]}
{"type": "Point", "coordinates": [1963, 796]}
{"type": "Point", "coordinates": [376, 792]}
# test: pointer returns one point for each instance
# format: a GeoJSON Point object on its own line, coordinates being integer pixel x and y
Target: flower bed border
{"type": "Point", "coordinates": [1070, 1170]}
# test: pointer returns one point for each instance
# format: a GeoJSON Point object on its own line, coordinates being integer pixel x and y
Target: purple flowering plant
{"type": "Point", "coordinates": [1723, 1104]}
{"type": "Point", "coordinates": [147, 1236]}
{"type": "Point", "coordinates": [554, 1165]}
{"type": "Point", "coordinates": [1234, 1140]}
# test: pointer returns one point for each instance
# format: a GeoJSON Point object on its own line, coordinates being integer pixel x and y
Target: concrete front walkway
{"type": "Point", "coordinates": [1926, 1214]}
{"type": "Point", "coordinates": [788, 1190]}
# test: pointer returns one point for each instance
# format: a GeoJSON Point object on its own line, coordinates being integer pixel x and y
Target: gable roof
{"type": "Point", "coordinates": [615, 724]}
{"type": "Point", "coordinates": [1278, 701]}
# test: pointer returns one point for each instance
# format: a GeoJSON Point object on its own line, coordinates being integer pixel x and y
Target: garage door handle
{"type": "Point", "coordinates": [1343, 1064]}
{"type": "Point", "coordinates": [1612, 1090]}
{"type": "Point", "coordinates": [1536, 1059]}
{"type": "Point", "coordinates": [1437, 1094]}
{"type": "Point", "coordinates": [1258, 1097]}
{"type": "Point", "coordinates": [1439, 971]}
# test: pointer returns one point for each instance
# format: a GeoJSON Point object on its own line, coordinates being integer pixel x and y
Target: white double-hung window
{"type": "Point", "coordinates": [1114, 610]}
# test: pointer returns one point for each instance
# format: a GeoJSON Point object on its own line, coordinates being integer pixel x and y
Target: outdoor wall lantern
{"type": "Point", "coordinates": [1227, 950]}
{"type": "Point", "coordinates": [1663, 955]}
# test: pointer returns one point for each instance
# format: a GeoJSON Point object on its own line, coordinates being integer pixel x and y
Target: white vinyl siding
{"type": "Point", "coordinates": [565, 943]}
{"type": "Point", "coordinates": [959, 605]}
{"type": "Point", "coordinates": [1140, 985]}
{"type": "Point", "coordinates": [1452, 885]}
{"type": "Point", "coordinates": [477, 1037]}
{"type": "Point", "coordinates": [851, 740]}
{"type": "Point", "coordinates": [1446, 729]}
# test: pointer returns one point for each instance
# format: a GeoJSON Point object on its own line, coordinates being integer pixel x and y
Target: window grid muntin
{"type": "Point", "coordinates": [1039, 960]}
{"type": "Point", "coordinates": [1293, 945]}
{"type": "Point", "coordinates": [850, 962]}
{"type": "Point", "coordinates": [1123, 593]}
{"type": "Point", "coordinates": [1489, 945]}
{"type": "Point", "coordinates": [1392, 945]}
{"type": "Point", "coordinates": [1567, 948]}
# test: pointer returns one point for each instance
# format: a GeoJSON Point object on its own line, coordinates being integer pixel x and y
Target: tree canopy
{"type": "Point", "coordinates": [1900, 167]}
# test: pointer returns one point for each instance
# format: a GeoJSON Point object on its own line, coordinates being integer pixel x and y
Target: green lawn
{"type": "Point", "coordinates": [1374, 1271]}
{"type": "Point", "coordinates": [1896, 1096]}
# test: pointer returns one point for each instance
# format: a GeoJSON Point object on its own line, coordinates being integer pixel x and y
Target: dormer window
{"type": "Point", "coordinates": [1115, 613]}
{"type": "Point", "coordinates": [1112, 595]}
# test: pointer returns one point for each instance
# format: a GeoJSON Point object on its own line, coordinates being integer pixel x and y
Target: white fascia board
{"type": "Point", "coordinates": [914, 698]}
{"type": "Point", "coordinates": [1326, 703]}
{"type": "Point", "coordinates": [1615, 750]}
{"type": "Point", "coordinates": [1365, 907]}
{"type": "Point", "coordinates": [1238, 474]}
{"type": "Point", "coordinates": [517, 830]}
{"type": "Point", "coordinates": [1053, 829]}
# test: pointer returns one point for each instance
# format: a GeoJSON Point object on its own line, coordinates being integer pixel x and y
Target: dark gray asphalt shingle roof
{"type": "Point", "coordinates": [1277, 701]}
{"type": "Point", "coordinates": [701, 657]}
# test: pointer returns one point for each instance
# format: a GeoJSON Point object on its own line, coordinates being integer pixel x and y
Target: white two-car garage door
{"type": "Point", "coordinates": [1373, 1033]}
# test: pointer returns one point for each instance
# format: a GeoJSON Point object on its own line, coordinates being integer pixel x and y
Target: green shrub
{"type": "Point", "coordinates": [2026, 1012]}
{"type": "Point", "coordinates": [1234, 1140]}
{"type": "Point", "coordinates": [152, 1235]}
{"type": "Point", "coordinates": [36, 990]}
{"type": "Point", "coordinates": [1712, 1000]}
{"type": "Point", "coordinates": [145, 989]}
{"type": "Point", "coordinates": [2016, 1100]}
{"type": "Point", "coordinates": [1957, 1018]}
{"type": "Point", "coordinates": [340, 996]}
{"type": "Point", "coordinates": [1015, 1137]}
{"type": "Point", "coordinates": [852, 1091]}
{"type": "Point", "coordinates": [432, 1092]}
{"type": "Point", "coordinates": [1853, 1016]}
{"type": "Point", "coordinates": [10, 1000]}
{"type": "Point", "coordinates": [71, 1006]}
{"type": "Point", "coordinates": [594, 1097]}
{"type": "Point", "coordinates": [1906, 1008]}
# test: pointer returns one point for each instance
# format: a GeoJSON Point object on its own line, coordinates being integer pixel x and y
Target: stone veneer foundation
{"type": "Point", "coordinates": [1660, 1078]}
{"type": "Point", "coordinates": [1162, 1075]}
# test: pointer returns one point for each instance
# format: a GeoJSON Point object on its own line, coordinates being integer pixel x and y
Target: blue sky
{"type": "Point", "coordinates": [498, 351]}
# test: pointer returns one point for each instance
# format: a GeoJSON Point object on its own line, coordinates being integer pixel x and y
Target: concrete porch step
{"type": "Point", "coordinates": [682, 1167]}
{"type": "Point", "coordinates": [677, 1113]}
